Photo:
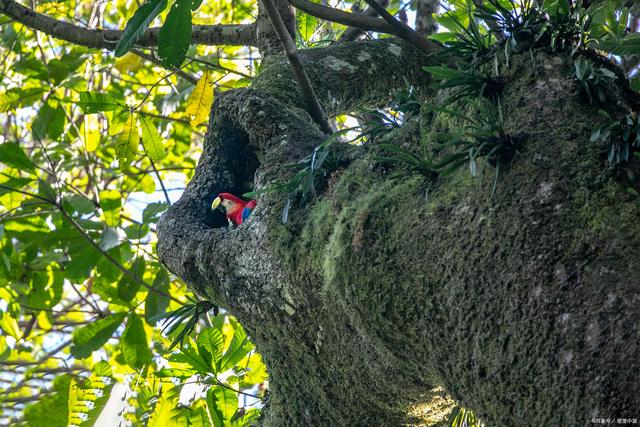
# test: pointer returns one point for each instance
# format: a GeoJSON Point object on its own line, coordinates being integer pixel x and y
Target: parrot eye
{"type": "Point", "coordinates": [215, 203]}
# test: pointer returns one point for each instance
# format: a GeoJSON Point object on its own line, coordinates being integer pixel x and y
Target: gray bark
{"type": "Point", "coordinates": [522, 304]}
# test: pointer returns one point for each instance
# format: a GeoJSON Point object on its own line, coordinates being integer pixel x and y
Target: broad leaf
{"type": "Point", "coordinates": [49, 122]}
{"type": "Point", "coordinates": [134, 344]}
{"type": "Point", "coordinates": [137, 25]}
{"type": "Point", "coordinates": [110, 202]}
{"type": "Point", "coordinates": [157, 302]}
{"type": "Point", "coordinates": [151, 140]}
{"type": "Point", "coordinates": [200, 100]}
{"type": "Point", "coordinates": [93, 336]}
{"type": "Point", "coordinates": [175, 35]}
{"type": "Point", "coordinates": [94, 102]}
{"type": "Point", "coordinates": [222, 404]}
{"type": "Point", "coordinates": [128, 286]}
{"type": "Point", "coordinates": [12, 155]}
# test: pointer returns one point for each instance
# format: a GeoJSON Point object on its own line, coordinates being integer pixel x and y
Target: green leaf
{"type": "Point", "coordinates": [222, 404]}
{"type": "Point", "coordinates": [12, 155]}
{"type": "Point", "coordinates": [627, 45]}
{"type": "Point", "coordinates": [49, 122]}
{"type": "Point", "coordinates": [127, 286]}
{"type": "Point", "coordinates": [51, 410]}
{"type": "Point", "coordinates": [137, 25]}
{"type": "Point", "coordinates": [60, 68]}
{"type": "Point", "coordinates": [307, 26]}
{"type": "Point", "coordinates": [239, 347]}
{"type": "Point", "coordinates": [156, 304]}
{"type": "Point", "coordinates": [93, 336]}
{"type": "Point", "coordinates": [94, 102]}
{"type": "Point", "coordinates": [111, 205]}
{"type": "Point", "coordinates": [188, 355]}
{"type": "Point", "coordinates": [134, 344]}
{"type": "Point", "coordinates": [19, 98]}
{"type": "Point", "coordinates": [79, 203]}
{"type": "Point", "coordinates": [152, 212]}
{"type": "Point", "coordinates": [151, 140]}
{"type": "Point", "coordinates": [175, 35]}
{"type": "Point", "coordinates": [212, 340]}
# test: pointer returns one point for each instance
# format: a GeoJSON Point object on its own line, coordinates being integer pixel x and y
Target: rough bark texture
{"type": "Point", "coordinates": [523, 304]}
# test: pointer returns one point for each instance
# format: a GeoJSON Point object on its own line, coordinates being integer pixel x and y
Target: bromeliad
{"type": "Point", "coordinates": [237, 210]}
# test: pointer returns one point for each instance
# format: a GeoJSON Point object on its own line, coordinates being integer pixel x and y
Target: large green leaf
{"type": "Point", "coordinates": [93, 336]}
{"type": "Point", "coordinates": [239, 347]}
{"type": "Point", "coordinates": [222, 404]}
{"type": "Point", "coordinates": [51, 410]}
{"type": "Point", "coordinates": [175, 35]}
{"type": "Point", "coordinates": [627, 45]}
{"type": "Point", "coordinates": [12, 155]}
{"type": "Point", "coordinates": [49, 122]}
{"type": "Point", "coordinates": [134, 344]}
{"type": "Point", "coordinates": [137, 25]}
{"type": "Point", "coordinates": [211, 344]}
{"type": "Point", "coordinates": [156, 303]}
{"type": "Point", "coordinates": [111, 204]}
{"type": "Point", "coordinates": [94, 102]}
{"type": "Point", "coordinates": [19, 98]}
{"type": "Point", "coordinates": [151, 140]}
{"type": "Point", "coordinates": [128, 286]}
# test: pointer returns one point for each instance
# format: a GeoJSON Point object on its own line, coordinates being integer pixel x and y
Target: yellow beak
{"type": "Point", "coordinates": [215, 203]}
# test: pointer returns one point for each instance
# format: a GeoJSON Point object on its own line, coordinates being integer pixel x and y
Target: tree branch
{"type": "Point", "coordinates": [238, 35]}
{"type": "Point", "coordinates": [315, 109]}
{"type": "Point", "coordinates": [401, 29]}
{"type": "Point", "coordinates": [353, 33]}
{"type": "Point", "coordinates": [364, 22]}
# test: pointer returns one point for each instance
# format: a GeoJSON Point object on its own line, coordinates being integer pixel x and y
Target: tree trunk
{"type": "Point", "coordinates": [523, 302]}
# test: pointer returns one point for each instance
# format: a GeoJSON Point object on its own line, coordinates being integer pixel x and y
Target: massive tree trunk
{"type": "Point", "coordinates": [522, 303]}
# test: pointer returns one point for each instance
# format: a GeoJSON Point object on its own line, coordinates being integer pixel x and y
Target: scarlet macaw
{"type": "Point", "coordinates": [237, 209]}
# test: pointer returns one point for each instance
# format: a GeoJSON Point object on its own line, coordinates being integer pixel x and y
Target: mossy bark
{"type": "Point", "coordinates": [523, 302]}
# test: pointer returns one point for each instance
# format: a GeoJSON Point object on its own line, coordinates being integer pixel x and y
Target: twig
{"type": "Point", "coordinates": [352, 33]}
{"type": "Point", "coordinates": [156, 61]}
{"type": "Point", "coordinates": [315, 109]}
{"type": "Point", "coordinates": [164, 189]}
{"type": "Point", "coordinates": [366, 23]}
{"type": "Point", "coordinates": [175, 71]}
{"type": "Point", "coordinates": [402, 30]}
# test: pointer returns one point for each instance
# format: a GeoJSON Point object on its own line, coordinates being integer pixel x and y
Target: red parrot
{"type": "Point", "coordinates": [237, 209]}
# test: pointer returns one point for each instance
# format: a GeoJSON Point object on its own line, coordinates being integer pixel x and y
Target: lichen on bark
{"type": "Point", "coordinates": [522, 303]}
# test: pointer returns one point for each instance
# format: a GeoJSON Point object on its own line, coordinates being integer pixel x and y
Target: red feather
{"type": "Point", "coordinates": [235, 213]}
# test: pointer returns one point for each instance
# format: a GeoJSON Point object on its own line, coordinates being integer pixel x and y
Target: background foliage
{"type": "Point", "coordinates": [95, 146]}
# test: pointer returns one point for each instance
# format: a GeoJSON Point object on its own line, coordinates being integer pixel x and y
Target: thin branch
{"type": "Point", "coordinates": [364, 22]}
{"type": "Point", "coordinates": [161, 117]}
{"type": "Point", "coordinates": [353, 33]}
{"type": "Point", "coordinates": [233, 35]}
{"type": "Point", "coordinates": [156, 61]}
{"type": "Point", "coordinates": [41, 359]}
{"type": "Point", "coordinates": [164, 189]}
{"type": "Point", "coordinates": [402, 30]}
{"type": "Point", "coordinates": [315, 109]}
{"type": "Point", "coordinates": [175, 71]}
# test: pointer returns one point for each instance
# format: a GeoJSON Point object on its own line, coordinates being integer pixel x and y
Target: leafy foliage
{"type": "Point", "coordinates": [93, 148]}
{"type": "Point", "coordinates": [622, 139]}
{"type": "Point", "coordinates": [593, 80]}
{"type": "Point", "coordinates": [301, 185]}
